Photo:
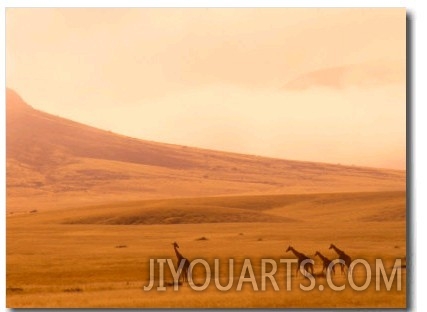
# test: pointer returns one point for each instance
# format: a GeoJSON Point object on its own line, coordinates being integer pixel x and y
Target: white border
{"type": "Point", "coordinates": [207, 3]}
{"type": "Point", "coordinates": [3, 162]}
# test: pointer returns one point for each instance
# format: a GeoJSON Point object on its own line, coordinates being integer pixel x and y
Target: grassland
{"type": "Point", "coordinates": [98, 256]}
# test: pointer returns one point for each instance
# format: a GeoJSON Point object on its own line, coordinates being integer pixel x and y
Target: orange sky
{"type": "Point", "coordinates": [308, 84]}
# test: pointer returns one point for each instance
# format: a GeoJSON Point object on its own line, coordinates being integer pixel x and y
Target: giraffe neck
{"type": "Point", "coordinates": [340, 252]}
{"type": "Point", "coordinates": [178, 254]}
{"type": "Point", "coordinates": [321, 256]}
{"type": "Point", "coordinates": [297, 254]}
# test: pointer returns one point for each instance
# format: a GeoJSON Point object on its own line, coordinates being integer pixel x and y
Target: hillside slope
{"type": "Point", "coordinates": [55, 162]}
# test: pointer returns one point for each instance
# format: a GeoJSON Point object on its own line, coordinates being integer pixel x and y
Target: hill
{"type": "Point", "coordinates": [55, 162]}
{"type": "Point", "coordinates": [372, 207]}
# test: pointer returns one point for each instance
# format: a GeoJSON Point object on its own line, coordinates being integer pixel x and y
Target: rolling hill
{"type": "Point", "coordinates": [55, 162]}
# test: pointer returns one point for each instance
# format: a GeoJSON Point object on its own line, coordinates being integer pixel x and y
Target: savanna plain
{"type": "Point", "coordinates": [86, 258]}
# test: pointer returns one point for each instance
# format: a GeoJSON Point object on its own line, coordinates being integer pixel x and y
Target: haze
{"type": "Point", "coordinates": [325, 85]}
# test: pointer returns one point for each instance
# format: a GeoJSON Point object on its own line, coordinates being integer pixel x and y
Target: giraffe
{"type": "Point", "coordinates": [343, 256]}
{"type": "Point", "coordinates": [301, 257]}
{"type": "Point", "coordinates": [326, 263]}
{"type": "Point", "coordinates": [180, 257]}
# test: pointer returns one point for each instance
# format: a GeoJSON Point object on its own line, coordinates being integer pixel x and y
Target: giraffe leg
{"type": "Point", "coordinates": [184, 273]}
{"type": "Point", "coordinates": [349, 264]}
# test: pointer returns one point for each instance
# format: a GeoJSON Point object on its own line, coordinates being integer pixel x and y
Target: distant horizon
{"type": "Point", "coordinates": [320, 85]}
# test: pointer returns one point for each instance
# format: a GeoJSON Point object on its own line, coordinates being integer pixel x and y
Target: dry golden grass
{"type": "Point", "coordinates": [55, 264]}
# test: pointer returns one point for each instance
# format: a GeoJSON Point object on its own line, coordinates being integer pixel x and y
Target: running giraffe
{"type": "Point", "coordinates": [301, 257]}
{"type": "Point", "coordinates": [180, 257]}
{"type": "Point", "coordinates": [326, 262]}
{"type": "Point", "coordinates": [343, 256]}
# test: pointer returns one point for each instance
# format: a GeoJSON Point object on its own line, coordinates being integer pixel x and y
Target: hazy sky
{"type": "Point", "coordinates": [307, 84]}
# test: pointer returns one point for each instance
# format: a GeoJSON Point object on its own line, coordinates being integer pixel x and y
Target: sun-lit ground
{"type": "Point", "coordinates": [84, 257]}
